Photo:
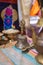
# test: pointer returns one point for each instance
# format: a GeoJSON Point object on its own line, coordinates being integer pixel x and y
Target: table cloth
{"type": "Point", "coordinates": [17, 57]}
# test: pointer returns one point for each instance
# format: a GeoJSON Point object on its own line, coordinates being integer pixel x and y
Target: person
{"type": "Point", "coordinates": [35, 9]}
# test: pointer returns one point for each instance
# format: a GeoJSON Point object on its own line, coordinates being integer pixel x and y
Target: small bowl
{"type": "Point", "coordinates": [39, 45]}
{"type": "Point", "coordinates": [3, 42]}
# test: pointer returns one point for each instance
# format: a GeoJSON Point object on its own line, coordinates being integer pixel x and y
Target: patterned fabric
{"type": "Point", "coordinates": [4, 60]}
{"type": "Point", "coordinates": [16, 57]}
{"type": "Point", "coordinates": [8, 18]}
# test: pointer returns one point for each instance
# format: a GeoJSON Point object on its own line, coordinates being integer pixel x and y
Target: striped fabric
{"type": "Point", "coordinates": [10, 56]}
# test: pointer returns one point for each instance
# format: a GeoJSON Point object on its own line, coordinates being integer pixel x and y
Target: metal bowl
{"type": "Point", "coordinates": [11, 36]}
{"type": "Point", "coordinates": [39, 48]}
{"type": "Point", "coordinates": [3, 42]}
{"type": "Point", "coordinates": [39, 45]}
{"type": "Point", "coordinates": [11, 33]}
{"type": "Point", "coordinates": [22, 42]}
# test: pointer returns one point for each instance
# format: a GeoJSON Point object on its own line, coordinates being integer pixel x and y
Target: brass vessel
{"type": "Point", "coordinates": [39, 47]}
{"type": "Point", "coordinates": [11, 34]}
{"type": "Point", "coordinates": [38, 40]}
{"type": "Point", "coordinates": [38, 44]}
{"type": "Point", "coordinates": [22, 43]}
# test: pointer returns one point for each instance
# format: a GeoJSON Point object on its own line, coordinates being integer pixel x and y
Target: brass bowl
{"type": "Point", "coordinates": [39, 48]}
{"type": "Point", "coordinates": [22, 43]}
{"type": "Point", "coordinates": [11, 36]}
{"type": "Point", "coordinates": [39, 45]}
{"type": "Point", "coordinates": [11, 33]}
{"type": "Point", "coordinates": [2, 42]}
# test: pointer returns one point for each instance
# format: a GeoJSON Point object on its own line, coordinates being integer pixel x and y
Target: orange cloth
{"type": "Point", "coordinates": [35, 8]}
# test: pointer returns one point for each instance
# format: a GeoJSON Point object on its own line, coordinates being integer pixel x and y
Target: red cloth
{"type": "Point", "coordinates": [9, 1]}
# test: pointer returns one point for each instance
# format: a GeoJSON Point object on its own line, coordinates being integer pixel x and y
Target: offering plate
{"type": "Point", "coordinates": [11, 33]}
